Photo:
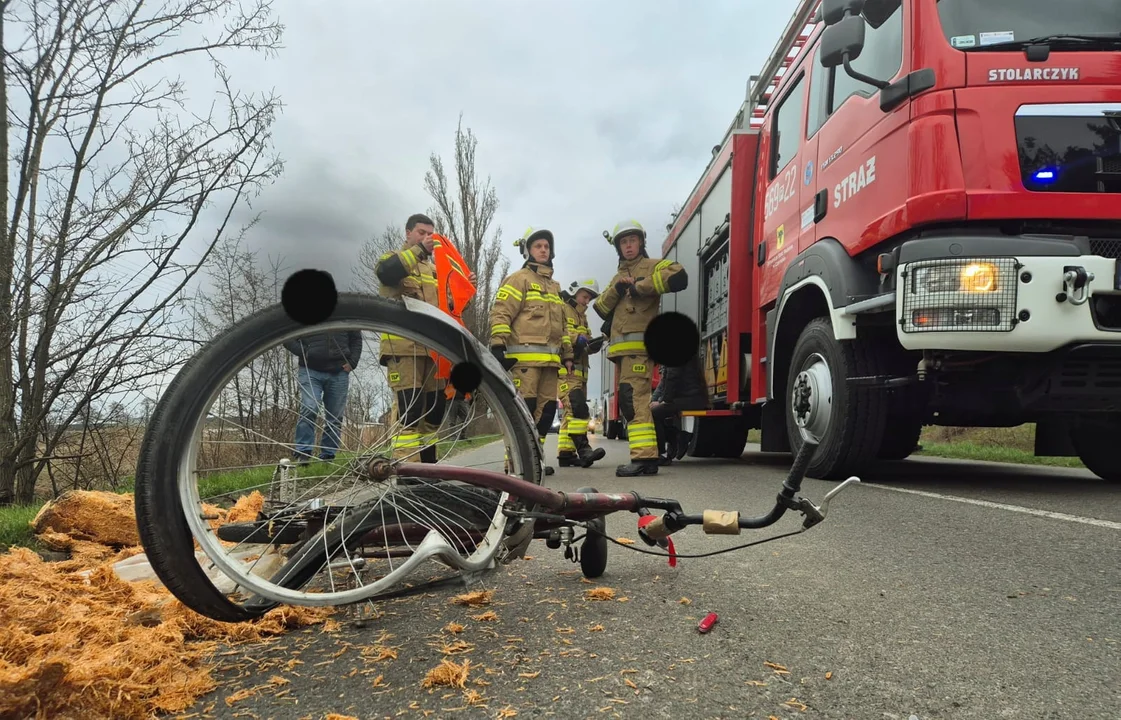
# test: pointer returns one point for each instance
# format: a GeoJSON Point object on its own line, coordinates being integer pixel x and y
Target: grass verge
{"type": "Point", "coordinates": [15, 520]}
{"type": "Point", "coordinates": [1007, 445]}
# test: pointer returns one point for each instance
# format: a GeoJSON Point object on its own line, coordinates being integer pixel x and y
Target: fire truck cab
{"type": "Point", "coordinates": [913, 220]}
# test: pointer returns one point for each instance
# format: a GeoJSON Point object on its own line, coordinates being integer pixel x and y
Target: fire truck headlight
{"type": "Point", "coordinates": [960, 295]}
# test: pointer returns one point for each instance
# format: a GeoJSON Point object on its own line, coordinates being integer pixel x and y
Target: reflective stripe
{"type": "Point", "coordinates": [427, 279]}
{"type": "Point", "coordinates": [577, 426]}
{"type": "Point", "coordinates": [663, 264]}
{"type": "Point", "coordinates": [575, 371]}
{"type": "Point", "coordinates": [410, 258]}
{"type": "Point", "coordinates": [532, 349]}
{"type": "Point", "coordinates": [547, 297]}
{"type": "Point", "coordinates": [642, 435]}
{"type": "Point", "coordinates": [565, 444]}
{"type": "Point", "coordinates": [501, 329]}
{"type": "Point", "coordinates": [534, 357]}
{"type": "Point", "coordinates": [659, 283]}
{"type": "Point", "coordinates": [407, 440]}
{"type": "Point", "coordinates": [512, 291]}
{"type": "Point", "coordinates": [630, 348]}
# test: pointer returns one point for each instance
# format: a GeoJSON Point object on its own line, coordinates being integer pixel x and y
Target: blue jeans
{"type": "Point", "coordinates": [316, 386]}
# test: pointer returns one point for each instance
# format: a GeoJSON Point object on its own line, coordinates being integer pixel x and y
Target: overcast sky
{"type": "Point", "coordinates": [586, 113]}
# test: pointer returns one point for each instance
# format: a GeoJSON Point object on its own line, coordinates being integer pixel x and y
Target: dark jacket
{"type": "Point", "coordinates": [328, 352]}
{"type": "Point", "coordinates": [685, 386]}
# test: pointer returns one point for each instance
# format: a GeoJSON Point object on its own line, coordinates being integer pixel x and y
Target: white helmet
{"type": "Point", "coordinates": [627, 227]}
{"type": "Point", "coordinates": [531, 234]}
{"type": "Point", "coordinates": [588, 284]}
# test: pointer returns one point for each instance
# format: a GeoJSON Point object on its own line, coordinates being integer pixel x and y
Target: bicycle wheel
{"type": "Point", "coordinates": [232, 531]}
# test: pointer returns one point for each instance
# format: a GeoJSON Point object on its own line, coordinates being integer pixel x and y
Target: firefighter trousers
{"type": "Point", "coordinates": [537, 387]}
{"type": "Point", "coordinates": [574, 424]}
{"type": "Point", "coordinates": [419, 406]}
{"type": "Point", "coordinates": [636, 374]}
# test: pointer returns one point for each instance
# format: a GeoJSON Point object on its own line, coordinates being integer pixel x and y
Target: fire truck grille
{"type": "Point", "coordinates": [1109, 248]}
{"type": "Point", "coordinates": [960, 295]}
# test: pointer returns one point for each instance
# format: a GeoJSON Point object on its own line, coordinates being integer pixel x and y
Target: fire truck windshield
{"type": "Point", "coordinates": [1010, 24]}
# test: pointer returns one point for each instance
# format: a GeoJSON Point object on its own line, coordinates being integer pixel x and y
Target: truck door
{"type": "Point", "coordinates": [783, 173]}
{"type": "Point", "coordinates": [862, 155]}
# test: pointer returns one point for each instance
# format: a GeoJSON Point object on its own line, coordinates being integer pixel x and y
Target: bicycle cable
{"type": "Point", "coordinates": [696, 555]}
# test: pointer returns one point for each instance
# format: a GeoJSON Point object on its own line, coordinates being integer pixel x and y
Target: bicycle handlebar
{"type": "Point", "coordinates": [721, 522]}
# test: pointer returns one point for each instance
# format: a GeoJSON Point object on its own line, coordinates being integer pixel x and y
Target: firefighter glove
{"type": "Point", "coordinates": [499, 353]}
{"type": "Point", "coordinates": [581, 344]}
{"type": "Point", "coordinates": [595, 345]}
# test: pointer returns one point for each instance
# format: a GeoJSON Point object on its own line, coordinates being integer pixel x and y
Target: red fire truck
{"type": "Point", "coordinates": [913, 220]}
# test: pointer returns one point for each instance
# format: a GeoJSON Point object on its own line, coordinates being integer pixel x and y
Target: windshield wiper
{"type": "Point", "coordinates": [1107, 40]}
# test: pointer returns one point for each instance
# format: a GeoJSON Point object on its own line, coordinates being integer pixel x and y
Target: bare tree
{"type": "Point", "coordinates": [464, 212]}
{"type": "Point", "coordinates": [107, 176]}
{"type": "Point", "coordinates": [365, 278]}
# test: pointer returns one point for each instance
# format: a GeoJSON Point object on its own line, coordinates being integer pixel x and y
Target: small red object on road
{"type": "Point", "coordinates": [706, 624]}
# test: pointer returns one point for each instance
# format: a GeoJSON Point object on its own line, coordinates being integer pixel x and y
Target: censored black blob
{"type": "Point", "coordinates": [671, 339]}
{"type": "Point", "coordinates": [309, 296]}
{"type": "Point", "coordinates": [466, 377]}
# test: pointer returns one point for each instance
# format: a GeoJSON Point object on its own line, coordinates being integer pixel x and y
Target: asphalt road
{"type": "Point", "coordinates": [935, 590]}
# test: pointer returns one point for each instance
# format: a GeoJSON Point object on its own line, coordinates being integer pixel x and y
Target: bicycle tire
{"type": "Point", "coordinates": [162, 524]}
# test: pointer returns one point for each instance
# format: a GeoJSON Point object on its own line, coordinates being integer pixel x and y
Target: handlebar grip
{"type": "Point", "coordinates": [721, 522]}
{"type": "Point", "coordinates": [801, 463]}
{"type": "Point", "coordinates": [656, 529]}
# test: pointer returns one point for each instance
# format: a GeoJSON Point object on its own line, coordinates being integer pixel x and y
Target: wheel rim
{"type": "Point", "coordinates": [811, 398]}
{"type": "Point", "coordinates": [435, 544]}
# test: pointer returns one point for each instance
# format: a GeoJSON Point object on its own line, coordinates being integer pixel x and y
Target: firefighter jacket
{"type": "Point", "coordinates": [575, 325]}
{"type": "Point", "coordinates": [632, 312]}
{"type": "Point", "coordinates": [528, 318]}
{"type": "Point", "coordinates": [409, 272]}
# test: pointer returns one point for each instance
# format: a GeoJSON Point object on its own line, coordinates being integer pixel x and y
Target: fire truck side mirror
{"type": "Point", "coordinates": [843, 42]}
{"type": "Point", "coordinates": [834, 11]}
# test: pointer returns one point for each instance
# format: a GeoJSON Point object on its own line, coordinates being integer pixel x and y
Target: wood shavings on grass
{"type": "Point", "coordinates": [449, 674]}
{"type": "Point", "coordinates": [99, 646]}
{"type": "Point", "coordinates": [488, 616]}
{"type": "Point", "coordinates": [477, 598]}
{"type": "Point", "coordinates": [600, 593]}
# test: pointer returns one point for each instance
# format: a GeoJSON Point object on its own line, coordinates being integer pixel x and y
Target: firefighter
{"type": "Point", "coordinates": [418, 395]}
{"type": "Point", "coordinates": [628, 305]}
{"type": "Point", "coordinates": [527, 330]}
{"type": "Point", "coordinates": [573, 447]}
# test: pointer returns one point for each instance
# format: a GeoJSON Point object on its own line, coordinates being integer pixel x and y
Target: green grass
{"type": "Point", "coordinates": [1007, 445]}
{"type": "Point", "coordinates": [14, 528]}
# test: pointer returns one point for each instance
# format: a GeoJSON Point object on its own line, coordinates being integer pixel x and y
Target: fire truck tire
{"type": "Point", "coordinates": [1094, 441]}
{"type": "Point", "coordinates": [850, 420]}
{"type": "Point", "coordinates": [901, 437]}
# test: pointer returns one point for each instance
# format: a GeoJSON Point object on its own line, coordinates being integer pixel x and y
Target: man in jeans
{"type": "Point", "coordinates": [326, 361]}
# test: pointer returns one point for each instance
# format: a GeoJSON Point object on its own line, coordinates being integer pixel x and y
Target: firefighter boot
{"type": "Point", "coordinates": [638, 466]}
{"type": "Point", "coordinates": [585, 451]}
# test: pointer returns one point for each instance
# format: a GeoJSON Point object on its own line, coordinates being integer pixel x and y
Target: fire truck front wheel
{"type": "Point", "coordinates": [847, 420]}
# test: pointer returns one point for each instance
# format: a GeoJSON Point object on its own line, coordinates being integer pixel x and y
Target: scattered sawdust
{"type": "Point", "coordinates": [757, 683]}
{"type": "Point", "coordinates": [529, 675]}
{"type": "Point", "coordinates": [94, 516]}
{"type": "Point", "coordinates": [336, 716]}
{"type": "Point", "coordinates": [379, 681]}
{"type": "Point", "coordinates": [599, 593]}
{"type": "Point", "coordinates": [799, 706]}
{"type": "Point", "coordinates": [473, 599]}
{"type": "Point", "coordinates": [779, 669]}
{"type": "Point", "coordinates": [624, 541]}
{"type": "Point", "coordinates": [456, 648]}
{"type": "Point", "coordinates": [829, 675]}
{"type": "Point", "coordinates": [488, 616]}
{"type": "Point", "coordinates": [473, 697]}
{"type": "Point", "coordinates": [596, 628]}
{"type": "Point", "coordinates": [448, 673]}
{"type": "Point", "coordinates": [454, 628]}
{"type": "Point", "coordinates": [506, 712]}
{"type": "Point", "coordinates": [72, 646]}
{"type": "Point", "coordinates": [685, 601]}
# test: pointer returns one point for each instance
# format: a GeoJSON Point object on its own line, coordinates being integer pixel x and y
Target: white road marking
{"type": "Point", "coordinates": [1003, 506]}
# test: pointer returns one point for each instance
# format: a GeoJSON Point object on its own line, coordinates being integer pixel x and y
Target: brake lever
{"type": "Point", "coordinates": [815, 514]}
